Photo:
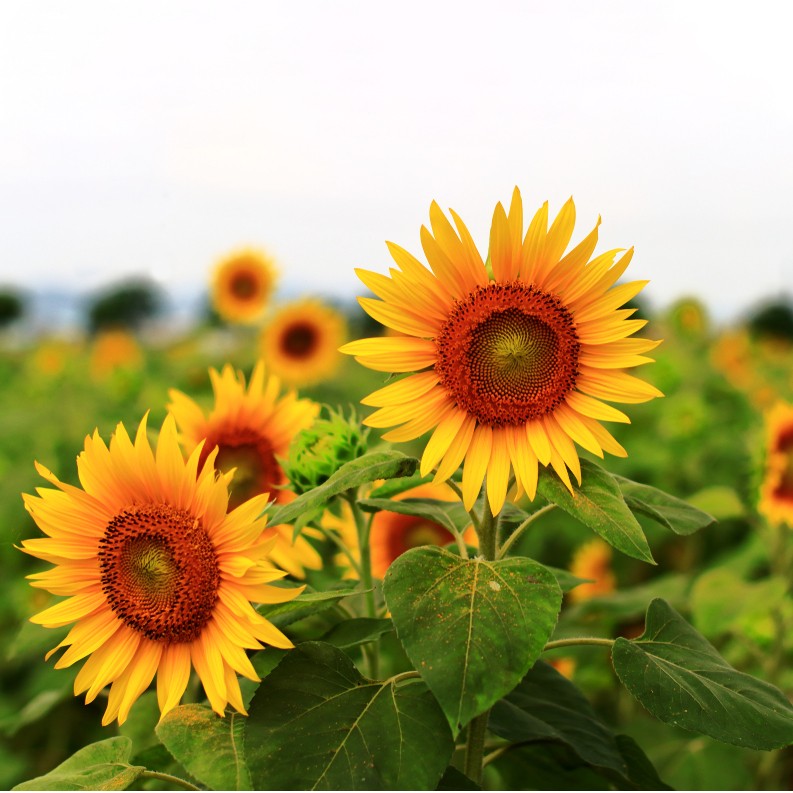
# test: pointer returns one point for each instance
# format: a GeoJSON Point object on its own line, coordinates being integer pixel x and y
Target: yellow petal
{"type": "Point", "coordinates": [476, 463]}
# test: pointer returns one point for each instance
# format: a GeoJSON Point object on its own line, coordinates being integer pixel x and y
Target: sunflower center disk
{"type": "Point", "coordinates": [243, 286]}
{"type": "Point", "coordinates": [159, 572]}
{"type": "Point", "coordinates": [254, 458]}
{"type": "Point", "coordinates": [784, 448]}
{"type": "Point", "coordinates": [508, 354]}
{"type": "Point", "coordinates": [299, 340]}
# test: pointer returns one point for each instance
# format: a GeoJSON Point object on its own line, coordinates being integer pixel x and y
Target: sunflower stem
{"type": "Point", "coordinates": [516, 535]}
{"type": "Point", "coordinates": [578, 640]}
{"type": "Point", "coordinates": [363, 527]}
{"type": "Point", "coordinates": [477, 730]}
{"type": "Point", "coordinates": [174, 780]}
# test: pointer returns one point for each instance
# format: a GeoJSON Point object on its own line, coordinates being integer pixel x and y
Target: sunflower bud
{"type": "Point", "coordinates": [319, 451]}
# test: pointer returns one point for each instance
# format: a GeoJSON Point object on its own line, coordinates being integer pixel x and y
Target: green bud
{"type": "Point", "coordinates": [318, 452]}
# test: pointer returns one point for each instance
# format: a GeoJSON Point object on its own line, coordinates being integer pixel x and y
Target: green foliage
{"type": "Point", "coordinates": [128, 305]}
{"type": "Point", "coordinates": [12, 307]}
{"type": "Point", "coordinates": [472, 628]}
{"type": "Point", "coordinates": [682, 680]}
{"type": "Point", "coordinates": [317, 723]}
{"type": "Point", "coordinates": [210, 748]}
{"type": "Point", "coordinates": [98, 766]}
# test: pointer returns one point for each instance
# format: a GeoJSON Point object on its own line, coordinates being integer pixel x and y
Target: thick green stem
{"type": "Point", "coordinates": [477, 729]}
{"type": "Point", "coordinates": [174, 780]}
{"type": "Point", "coordinates": [363, 527]}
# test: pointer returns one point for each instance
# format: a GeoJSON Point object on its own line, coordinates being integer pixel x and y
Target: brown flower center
{"type": "Point", "coordinates": [407, 531]}
{"type": "Point", "coordinates": [243, 285]}
{"type": "Point", "coordinates": [254, 458]}
{"type": "Point", "coordinates": [299, 340]}
{"type": "Point", "coordinates": [784, 448]}
{"type": "Point", "coordinates": [508, 353]}
{"type": "Point", "coordinates": [159, 572]}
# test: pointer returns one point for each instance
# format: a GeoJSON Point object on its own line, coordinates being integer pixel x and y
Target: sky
{"type": "Point", "coordinates": [156, 137]}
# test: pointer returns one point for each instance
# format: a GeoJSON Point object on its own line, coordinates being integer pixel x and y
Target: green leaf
{"type": "Point", "coordinates": [373, 465]}
{"type": "Point", "coordinates": [209, 747]}
{"type": "Point", "coordinates": [599, 505]}
{"type": "Point", "coordinates": [304, 605]}
{"type": "Point", "coordinates": [98, 766]}
{"type": "Point", "coordinates": [360, 630]}
{"type": "Point", "coordinates": [316, 723]}
{"type": "Point", "coordinates": [472, 628]}
{"type": "Point", "coordinates": [672, 513]}
{"type": "Point", "coordinates": [566, 579]}
{"type": "Point", "coordinates": [546, 706]}
{"type": "Point", "coordinates": [449, 514]}
{"type": "Point", "coordinates": [680, 678]}
{"type": "Point", "coordinates": [393, 487]}
{"type": "Point", "coordinates": [720, 501]}
{"type": "Point", "coordinates": [454, 779]}
{"type": "Point", "coordinates": [641, 772]}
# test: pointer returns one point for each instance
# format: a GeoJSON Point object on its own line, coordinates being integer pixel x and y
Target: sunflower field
{"type": "Point", "coordinates": [500, 524]}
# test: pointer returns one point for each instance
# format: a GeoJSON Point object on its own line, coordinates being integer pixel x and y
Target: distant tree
{"type": "Point", "coordinates": [773, 319]}
{"type": "Point", "coordinates": [129, 305]}
{"type": "Point", "coordinates": [12, 307]}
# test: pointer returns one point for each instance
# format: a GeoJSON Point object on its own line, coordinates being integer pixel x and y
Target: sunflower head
{"type": "Point", "coordinates": [776, 490]}
{"type": "Point", "coordinates": [301, 342]}
{"type": "Point", "coordinates": [114, 349]}
{"type": "Point", "coordinates": [242, 284]}
{"type": "Point", "coordinates": [511, 363]}
{"type": "Point", "coordinates": [319, 451]}
{"type": "Point", "coordinates": [158, 575]}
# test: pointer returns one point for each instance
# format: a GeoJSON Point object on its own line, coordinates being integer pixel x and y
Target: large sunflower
{"type": "Point", "coordinates": [242, 284]}
{"type": "Point", "coordinates": [157, 574]}
{"type": "Point", "coordinates": [301, 342]}
{"type": "Point", "coordinates": [250, 429]}
{"type": "Point", "coordinates": [776, 491]}
{"type": "Point", "coordinates": [513, 358]}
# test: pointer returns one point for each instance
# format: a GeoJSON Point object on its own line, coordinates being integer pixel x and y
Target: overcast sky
{"type": "Point", "coordinates": [153, 137]}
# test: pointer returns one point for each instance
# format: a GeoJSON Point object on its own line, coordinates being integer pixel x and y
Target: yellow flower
{"type": "Point", "coordinates": [513, 360]}
{"type": "Point", "coordinates": [112, 350]}
{"type": "Point", "coordinates": [776, 491]}
{"type": "Point", "coordinates": [250, 429]}
{"type": "Point", "coordinates": [393, 533]}
{"type": "Point", "coordinates": [592, 560]}
{"type": "Point", "coordinates": [158, 575]}
{"type": "Point", "coordinates": [242, 285]}
{"type": "Point", "coordinates": [301, 342]}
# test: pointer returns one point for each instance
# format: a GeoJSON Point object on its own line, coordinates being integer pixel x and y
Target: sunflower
{"type": "Point", "coordinates": [512, 359]}
{"type": "Point", "coordinates": [158, 574]}
{"type": "Point", "coordinates": [242, 284]}
{"type": "Point", "coordinates": [393, 533]}
{"type": "Point", "coordinates": [592, 560]}
{"type": "Point", "coordinates": [114, 349]}
{"type": "Point", "coordinates": [776, 491]}
{"type": "Point", "coordinates": [250, 429]}
{"type": "Point", "coordinates": [301, 342]}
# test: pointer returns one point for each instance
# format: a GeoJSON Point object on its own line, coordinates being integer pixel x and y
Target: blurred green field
{"type": "Point", "coordinates": [703, 442]}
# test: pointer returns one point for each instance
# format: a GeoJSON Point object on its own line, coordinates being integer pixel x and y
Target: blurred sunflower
{"type": "Point", "coordinates": [248, 430]}
{"type": "Point", "coordinates": [512, 359]}
{"type": "Point", "coordinates": [776, 491]}
{"type": "Point", "coordinates": [592, 560]}
{"type": "Point", "coordinates": [301, 342]}
{"type": "Point", "coordinates": [114, 349]}
{"type": "Point", "coordinates": [157, 574]}
{"type": "Point", "coordinates": [393, 533]}
{"type": "Point", "coordinates": [242, 284]}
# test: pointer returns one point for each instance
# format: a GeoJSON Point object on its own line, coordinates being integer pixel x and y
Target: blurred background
{"type": "Point", "coordinates": [147, 150]}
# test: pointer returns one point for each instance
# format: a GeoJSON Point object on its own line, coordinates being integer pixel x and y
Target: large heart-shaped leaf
{"type": "Point", "coordinates": [670, 512]}
{"type": "Point", "coordinates": [210, 748]}
{"type": "Point", "coordinates": [599, 505]}
{"type": "Point", "coordinates": [316, 723]}
{"type": "Point", "coordinates": [472, 628]}
{"type": "Point", "coordinates": [99, 766]}
{"type": "Point", "coordinates": [546, 706]}
{"type": "Point", "coordinates": [682, 680]}
{"type": "Point", "coordinates": [368, 468]}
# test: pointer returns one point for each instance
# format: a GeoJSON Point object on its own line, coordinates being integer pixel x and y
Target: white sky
{"type": "Point", "coordinates": [156, 136]}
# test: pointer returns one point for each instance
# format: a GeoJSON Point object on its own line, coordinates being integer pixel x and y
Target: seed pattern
{"type": "Point", "coordinates": [508, 353]}
{"type": "Point", "coordinates": [299, 340]}
{"type": "Point", "coordinates": [159, 572]}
